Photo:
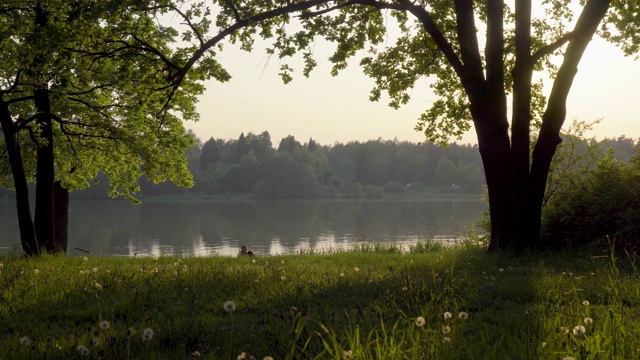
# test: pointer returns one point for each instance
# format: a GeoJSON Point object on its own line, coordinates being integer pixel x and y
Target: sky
{"type": "Point", "coordinates": [337, 109]}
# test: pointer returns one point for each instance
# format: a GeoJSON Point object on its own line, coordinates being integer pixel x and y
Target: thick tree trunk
{"type": "Point", "coordinates": [61, 210]}
{"type": "Point", "coordinates": [44, 214]}
{"type": "Point", "coordinates": [25, 222]}
{"type": "Point", "coordinates": [555, 114]}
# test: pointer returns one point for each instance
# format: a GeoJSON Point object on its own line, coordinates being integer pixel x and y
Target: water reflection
{"type": "Point", "coordinates": [205, 228]}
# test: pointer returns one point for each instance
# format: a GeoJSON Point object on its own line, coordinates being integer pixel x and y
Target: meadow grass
{"type": "Point", "coordinates": [373, 302]}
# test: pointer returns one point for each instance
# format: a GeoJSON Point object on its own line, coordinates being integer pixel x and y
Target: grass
{"type": "Point", "coordinates": [367, 303]}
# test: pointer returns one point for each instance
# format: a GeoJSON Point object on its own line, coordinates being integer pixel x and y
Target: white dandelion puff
{"type": "Point", "coordinates": [104, 325]}
{"type": "Point", "coordinates": [25, 341]}
{"type": "Point", "coordinates": [447, 315]}
{"type": "Point", "coordinates": [463, 315]}
{"type": "Point", "coordinates": [446, 329]}
{"type": "Point", "coordinates": [83, 350]}
{"type": "Point", "coordinates": [579, 330]}
{"type": "Point", "coordinates": [147, 334]}
{"type": "Point", "coordinates": [229, 306]}
{"type": "Point", "coordinates": [588, 320]}
{"type": "Point", "coordinates": [585, 303]}
{"type": "Point", "coordinates": [420, 321]}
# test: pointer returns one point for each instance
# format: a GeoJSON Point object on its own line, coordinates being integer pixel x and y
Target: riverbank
{"type": "Point", "coordinates": [370, 303]}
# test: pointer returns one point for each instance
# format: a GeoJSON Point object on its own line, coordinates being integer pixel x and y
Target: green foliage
{"type": "Point", "coordinates": [600, 204]}
{"type": "Point", "coordinates": [367, 303]}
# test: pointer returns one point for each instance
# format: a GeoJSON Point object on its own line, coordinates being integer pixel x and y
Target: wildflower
{"type": "Point", "coordinates": [282, 262]}
{"type": "Point", "coordinates": [370, 281]}
{"type": "Point", "coordinates": [229, 306]}
{"type": "Point", "coordinates": [420, 321]}
{"type": "Point", "coordinates": [501, 270]}
{"type": "Point", "coordinates": [1, 265]}
{"type": "Point", "coordinates": [98, 286]}
{"type": "Point", "coordinates": [341, 274]}
{"type": "Point", "coordinates": [147, 334]}
{"type": "Point", "coordinates": [155, 258]}
{"type": "Point", "coordinates": [246, 356]}
{"type": "Point", "coordinates": [95, 269]}
{"type": "Point", "coordinates": [447, 315]}
{"type": "Point", "coordinates": [568, 358]}
{"type": "Point", "coordinates": [579, 330]}
{"type": "Point", "coordinates": [405, 288]}
{"type": "Point", "coordinates": [564, 330]}
{"type": "Point", "coordinates": [585, 303]}
{"type": "Point", "coordinates": [446, 339]}
{"type": "Point", "coordinates": [544, 344]}
{"type": "Point", "coordinates": [463, 315]}
{"type": "Point", "coordinates": [83, 350]}
{"type": "Point", "coordinates": [104, 324]}
{"type": "Point", "coordinates": [283, 278]}
{"type": "Point", "coordinates": [356, 269]}
{"type": "Point", "coordinates": [267, 358]}
{"type": "Point", "coordinates": [347, 354]}
{"type": "Point", "coordinates": [446, 329]}
{"type": "Point", "coordinates": [36, 271]}
{"type": "Point", "coordinates": [25, 341]}
{"type": "Point", "coordinates": [196, 354]}
{"type": "Point", "coordinates": [588, 320]}
{"type": "Point", "coordinates": [85, 259]}
{"type": "Point", "coordinates": [95, 342]}
{"type": "Point", "coordinates": [253, 261]}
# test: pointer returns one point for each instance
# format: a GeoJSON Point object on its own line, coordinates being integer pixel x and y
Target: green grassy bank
{"type": "Point", "coordinates": [363, 304]}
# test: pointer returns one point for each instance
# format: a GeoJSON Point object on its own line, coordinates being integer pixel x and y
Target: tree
{"type": "Point", "coordinates": [73, 78]}
{"type": "Point", "coordinates": [473, 85]}
{"type": "Point", "coordinates": [210, 154]}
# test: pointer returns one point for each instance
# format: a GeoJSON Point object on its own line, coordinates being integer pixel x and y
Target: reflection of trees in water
{"type": "Point", "coordinates": [115, 227]}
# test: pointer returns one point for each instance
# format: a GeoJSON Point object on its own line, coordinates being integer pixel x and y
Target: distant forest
{"type": "Point", "coordinates": [252, 166]}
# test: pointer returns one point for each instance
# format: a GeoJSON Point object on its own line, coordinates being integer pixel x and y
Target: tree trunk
{"type": "Point", "coordinates": [25, 222]}
{"type": "Point", "coordinates": [555, 114]}
{"type": "Point", "coordinates": [44, 215]}
{"type": "Point", "coordinates": [61, 211]}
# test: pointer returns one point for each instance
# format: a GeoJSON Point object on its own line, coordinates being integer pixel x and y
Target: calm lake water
{"type": "Point", "coordinates": [202, 228]}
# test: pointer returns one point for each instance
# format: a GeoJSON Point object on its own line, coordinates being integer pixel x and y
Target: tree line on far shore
{"type": "Point", "coordinates": [252, 166]}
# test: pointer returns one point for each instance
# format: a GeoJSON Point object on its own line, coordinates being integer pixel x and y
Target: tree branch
{"type": "Point", "coordinates": [548, 49]}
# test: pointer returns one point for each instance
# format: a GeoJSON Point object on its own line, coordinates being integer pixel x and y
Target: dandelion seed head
{"type": "Point", "coordinates": [267, 358]}
{"type": "Point", "coordinates": [283, 278]}
{"type": "Point", "coordinates": [85, 259]}
{"type": "Point", "coordinates": [95, 269]}
{"type": "Point", "coordinates": [568, 358]}
{"type": "Point", "coordinates": [420, 321]}
{"type": "Point", "coordinates": [579, 330]}
{"type": "Point", "coordinates": [347, 354]}
{"type": "Point", "coordinates": [463, 315]}
{"type": "Point", "coordinates": [585, 303]}
{"type": "Point", "coordinates": [356, 269]}
{"type": "Point", "coordinates": [564, 330]}
{"type": "Point", "coordinates": [282, 262]}
{"type": "Point", "coordinates": [446, 339]}
{"type": "Point", "coordinates": [229, 306]}
{"type": "Point", "coordinates": [83, 350]}
{"type": "Point", "coordinates": [341, 274]}
{"type": "Point", "coordinates": [104, 325]}
{"type": "Point", "coordinates": [196, 354]}
{"type": "Point", "coordinates": [588, 320]}
{"type": "Point", "coordinates": [95, 342]}
{"type": "Point", "coordinates": [36, 271]}
{"type": "Point", "coordinates": [501, 270]}
{"type": "Point", "coordinates": [447, 315]}
{"type": "Point", "coordinates": [544, 344]}
{"type": "Point", "coordinates": [147, 334]}
{"type": "Point", "coordinates": [25, 341]}
{"type": "Point", "coordinates": [446, 329]}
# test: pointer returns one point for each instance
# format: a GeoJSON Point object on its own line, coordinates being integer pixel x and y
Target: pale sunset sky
{"type": "Point", "coordinates": [330, 109]}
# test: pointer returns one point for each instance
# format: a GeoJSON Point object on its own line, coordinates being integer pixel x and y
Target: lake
{"type": "Point", "coordinates": [202, 228]}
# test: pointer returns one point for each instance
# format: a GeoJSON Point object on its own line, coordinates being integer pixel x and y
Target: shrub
{"type": "Point", "coordinates": [602, 202]}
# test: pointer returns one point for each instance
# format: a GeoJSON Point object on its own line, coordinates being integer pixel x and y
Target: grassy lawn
{"type": "Point", "coordinates": [369, 303]}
